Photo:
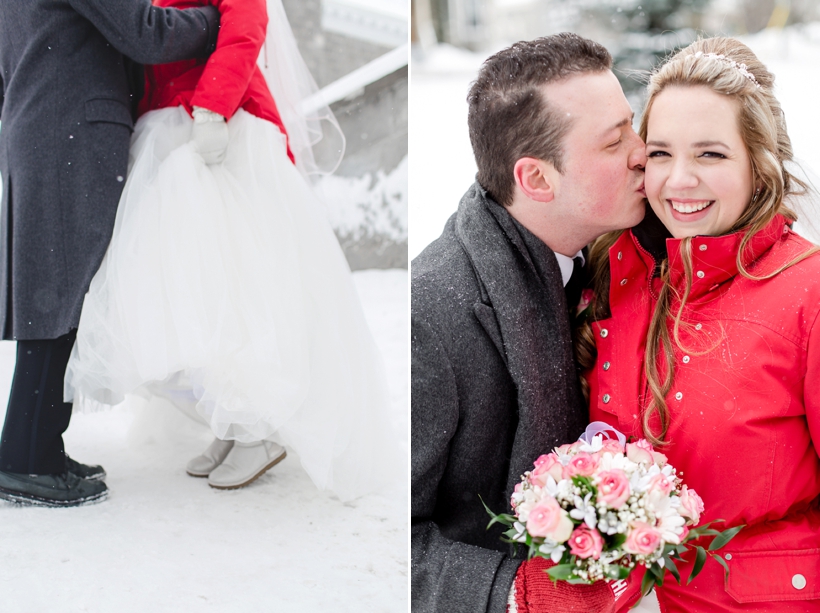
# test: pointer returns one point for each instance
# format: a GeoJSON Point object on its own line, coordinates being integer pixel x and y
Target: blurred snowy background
{"type": "Point", "coordinates": [166, 542]}
{"type": "Point", "coordinates": [357, 51]}
{"type": "Point", "coordinates": [451, 38]}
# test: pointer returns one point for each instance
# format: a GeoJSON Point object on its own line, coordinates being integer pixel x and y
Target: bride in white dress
{"type": "Point", "coordinates": [227, 278]}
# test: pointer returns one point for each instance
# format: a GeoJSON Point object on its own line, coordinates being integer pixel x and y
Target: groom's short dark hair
{"type": "Point", "coordinates": [509, 117]}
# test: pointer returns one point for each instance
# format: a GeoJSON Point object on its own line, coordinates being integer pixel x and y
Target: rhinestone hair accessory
{"type": "Point", "coordinates": [739, 67]}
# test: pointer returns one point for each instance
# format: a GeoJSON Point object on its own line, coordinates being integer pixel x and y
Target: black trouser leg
{"type": "Point", "coordinates": [32, 440]}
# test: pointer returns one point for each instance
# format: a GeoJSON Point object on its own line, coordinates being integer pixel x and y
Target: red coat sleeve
{"type": "Point", "coordinates": [228, 72]}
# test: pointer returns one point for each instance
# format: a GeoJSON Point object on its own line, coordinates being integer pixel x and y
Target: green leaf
{"type": "Point", "coordinates": [647, 583]}
{"type": "Point", "coordinates": [486, 508]}
{"type": "Point", "coordinates": [722, 562]}
{"type": "Point", "coordinates": [561, 572]}
{"type": "Point", "coordinates": [618, 541]}
{"type": "Point", "coordinates": [699, 561]}
{"type": "Point", "coordinates": [725, 537]}
{"type": "Point", "coordinates": [672, 568]}
{"type": "Point", "coordinates": [495, 518]}
{"type": "Point", "coordinates": [700, 531]}
{"type": "Point", "coordinates": [504, 520]}
{"type": "Point", "coordinates": [615, 572]}
{"type": "Point", "coordinates": [656, 570]}
{"type": "Point", "coordinates": [585, 483]}
{"type": "Point", "coordinates": [709, 532]}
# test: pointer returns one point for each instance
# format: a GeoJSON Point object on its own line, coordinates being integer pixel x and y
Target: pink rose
{"type": "Point", "coordinates": [586, 298]}
{"type": "Point", "coordinates": [612, 446]}
{"type": "Point", "coordinates": [582, 464]}
{"type": "Point", "coordinates": [549, 520]}
{"type": "Point", "coordinates": [659, 458]}
{"type": "Point", "coordinates": [691, 505]}
{"type": "Point", "coordinates": [662, 484]}
{"type": "Point", "coordinates": [613, 488]}
{"type": "Point", "coordinates": [639, 454]}
{"type": "Point", "coordinates": [642, 539]}
{"type": "Point", "coordinates": [684, 533]}
{"type": "Point", "coordinates": [550, 466]}
{"type": "Point", "coordinates": [568, 448]}
{"type": "Point", "coordinates": [545, 458]}
{"type": "Point", "coordinates": [586, 542]}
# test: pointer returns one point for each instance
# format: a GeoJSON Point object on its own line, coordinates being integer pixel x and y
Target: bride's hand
{"type": "Point", "coordinates": [536, 592]}
{"type": "Point", "coordinates": [209, 135]}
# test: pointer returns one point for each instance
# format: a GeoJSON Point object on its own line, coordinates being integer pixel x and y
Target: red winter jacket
{"type": "Point", "coordinates": [229, 79]}
{"type": "Point", "coordinates": [745, 408]}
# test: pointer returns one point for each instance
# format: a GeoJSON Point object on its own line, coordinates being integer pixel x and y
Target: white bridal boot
{"type": "Point", "coordinates": [213, 456]}
{"type": "Point", "coordinates": [245, 463]}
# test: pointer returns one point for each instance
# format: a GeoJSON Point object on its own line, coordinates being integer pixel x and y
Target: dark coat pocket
{"type": "Point", "coordinates": [108, 111]}
{"type": "Point", "coordinates": [771, 576]}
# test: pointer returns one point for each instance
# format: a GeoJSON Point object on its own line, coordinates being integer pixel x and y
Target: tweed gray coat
{"type": "Point", "coordinates": [65, 107]}
{"type": "Point", "coordinates": [494, 386]}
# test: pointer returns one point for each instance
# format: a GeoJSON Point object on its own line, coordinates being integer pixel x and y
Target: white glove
{"type": "Point", "coordinates": [209, 135]}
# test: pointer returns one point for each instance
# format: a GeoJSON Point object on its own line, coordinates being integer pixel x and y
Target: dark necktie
{"type": "Point", "coordinates": [575, 285]}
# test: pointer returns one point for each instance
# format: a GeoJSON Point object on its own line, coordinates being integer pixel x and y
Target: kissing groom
{"type": "Point", "coordinates": [69, 84]}
{"type": "Point", "coordinates": [494, 382]}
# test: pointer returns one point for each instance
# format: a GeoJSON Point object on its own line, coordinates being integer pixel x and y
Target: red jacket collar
{"type": "Point", "coordinates": [714, 258]}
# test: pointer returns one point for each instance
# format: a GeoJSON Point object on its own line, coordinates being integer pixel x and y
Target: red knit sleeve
{"type": "Point", "coordinates": [228, 72]}
{"type": "Point", "coordinates": [535, 591]}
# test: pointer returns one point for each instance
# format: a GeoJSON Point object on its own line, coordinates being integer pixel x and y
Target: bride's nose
{"type": "Point", "coordinates": [681, 176]}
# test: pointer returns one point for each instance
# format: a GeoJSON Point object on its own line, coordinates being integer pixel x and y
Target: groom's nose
{"type": "Point", "coordinates": [637, 156]}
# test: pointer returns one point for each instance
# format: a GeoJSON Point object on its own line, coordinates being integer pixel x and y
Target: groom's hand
{"type": "Point", "coordinates": [535, 592]}
{"type": "Point", "coordinates": [209, 135]}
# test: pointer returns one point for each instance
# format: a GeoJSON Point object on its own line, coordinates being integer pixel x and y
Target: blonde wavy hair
{"type": "Point", "coordinates": [763, 129]}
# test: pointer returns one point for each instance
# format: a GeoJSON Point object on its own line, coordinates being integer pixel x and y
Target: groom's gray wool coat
{"type": "Point", "coordinates": [66, 82]}
{"type": "Point", "coordinates": [494, 386]}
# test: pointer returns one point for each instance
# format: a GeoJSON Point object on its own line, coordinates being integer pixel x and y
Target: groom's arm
{"type": "Point", "coordinates": [447, 576]}
{"type": "Point", "coordinates": [152, 35]}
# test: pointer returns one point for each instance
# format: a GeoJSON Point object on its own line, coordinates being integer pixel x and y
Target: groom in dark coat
{"type": "Point", "coordinates": [70, 80]}
{"type": "Point", "coordinates": [494, 382]}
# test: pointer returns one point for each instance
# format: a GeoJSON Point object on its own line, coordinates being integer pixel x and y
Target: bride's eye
{"type": "Point", "coordinates": [712, 154]}
{"type": "Point", "coordinates": [657, 154]}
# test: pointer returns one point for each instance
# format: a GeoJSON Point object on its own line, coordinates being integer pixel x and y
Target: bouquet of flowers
{"type": "Point", "coordinates": [600, 507]}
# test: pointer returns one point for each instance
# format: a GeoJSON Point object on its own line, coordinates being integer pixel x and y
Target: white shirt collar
{"type": "Point", "coordinates": [566, 264]}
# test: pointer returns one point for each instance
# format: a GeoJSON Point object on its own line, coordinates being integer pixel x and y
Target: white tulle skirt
{"type": "Point", "coordinates": [229, 278]}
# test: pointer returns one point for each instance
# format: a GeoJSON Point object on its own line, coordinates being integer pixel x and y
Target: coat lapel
{"type": "Point", "coordinates": [522, 282]}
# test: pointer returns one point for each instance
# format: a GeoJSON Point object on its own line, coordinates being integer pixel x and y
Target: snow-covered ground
{"type": "Point", "coordinates": [441, 160]}
{"type": "Point", "coordinates": [165, 542]}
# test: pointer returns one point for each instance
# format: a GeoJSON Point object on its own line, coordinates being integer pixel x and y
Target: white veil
{"type": "Point", "coordinates": [806, 205]}
{"type": "Point", "coordinates": [292, 85]}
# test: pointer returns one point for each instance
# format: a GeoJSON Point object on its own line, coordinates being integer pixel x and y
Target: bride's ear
{"type": "Point", "coordinates": [536, 179]}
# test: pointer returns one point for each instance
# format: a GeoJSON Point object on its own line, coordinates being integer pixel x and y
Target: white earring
{"type": "Point", "coordinates": [757, 193]}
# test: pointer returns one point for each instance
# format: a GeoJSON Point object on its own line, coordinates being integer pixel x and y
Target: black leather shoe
{"type": "Point", "coordinates": [67, 490]}
{"type": "Point", "coordinates": [84, 471]}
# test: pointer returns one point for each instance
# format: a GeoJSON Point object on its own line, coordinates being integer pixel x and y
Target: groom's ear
{"type": "Point", "coordinates": [536, 179]}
